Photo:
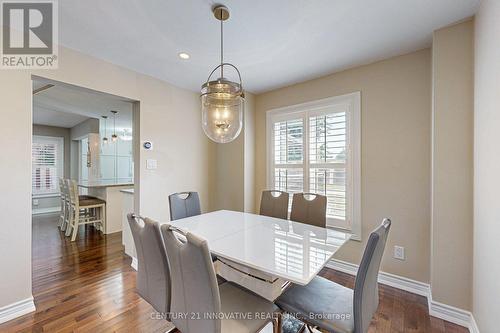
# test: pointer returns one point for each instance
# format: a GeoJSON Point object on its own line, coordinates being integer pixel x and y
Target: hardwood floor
{"type": "Point", "coordinates": [89, 286]}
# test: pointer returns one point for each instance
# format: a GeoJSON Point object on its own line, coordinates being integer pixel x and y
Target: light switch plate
{"type": "Point", "coordinates": [151, 164]}
{"type": "Point", "coordinates": [399, 252]}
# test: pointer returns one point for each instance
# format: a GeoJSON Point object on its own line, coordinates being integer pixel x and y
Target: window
{"type": "Point", "coordinates": [315, 147]}
{"type": "Point", "coordinates": [47, 164]}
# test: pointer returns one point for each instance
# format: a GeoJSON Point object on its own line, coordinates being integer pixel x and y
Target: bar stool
{"type": "Point", "coordinates": [62, 215]}
{"type": "Point", "coordinates": [66, 204]}
{"type": "Point", "coordinates": [84, 210]}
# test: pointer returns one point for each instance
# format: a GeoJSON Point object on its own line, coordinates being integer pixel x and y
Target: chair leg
{"type": "Point", "coordinates": [103, 219]}
{"type": "Point", "coordinates": [278, 323]}
{"type": "Point", "coordinates": [75, 224]}
{"type": "Point", "coordinates": [67, 211]}
{"type": "Point", "coordinates": [69, 223]}
{"type": "Point", "coordinates": [61, 217]}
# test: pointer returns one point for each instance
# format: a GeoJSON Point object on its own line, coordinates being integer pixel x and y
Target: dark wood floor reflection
{"type": "Point", "coordinates": [88, 286]}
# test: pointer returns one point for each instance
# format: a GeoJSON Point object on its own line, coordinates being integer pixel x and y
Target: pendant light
{"type": "Point", "coordinates": [222, 101]}
{"type": "Point", "coordinates": [105, 139]}
{"type": "Point", "coordinates": [114, 137]}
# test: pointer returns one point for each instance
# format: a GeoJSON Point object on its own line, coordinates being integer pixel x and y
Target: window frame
{"type": "Point", "coordinates": [351, 103]}
{"type": "Point", "coordinates": [59, 163]}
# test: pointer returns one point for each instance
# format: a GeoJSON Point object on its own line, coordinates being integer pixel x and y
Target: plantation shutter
{"type": "Point", "coordinates": [47, 164]}
{"type": "Point", "coordinates": [288, 157]}
{"type": "Point", "coordinates": [328, 163]}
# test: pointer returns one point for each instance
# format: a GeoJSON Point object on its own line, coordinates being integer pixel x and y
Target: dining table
{"type": "Point", "coordinates": [264, 254]}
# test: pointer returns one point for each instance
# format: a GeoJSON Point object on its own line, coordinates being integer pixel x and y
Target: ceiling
{"type": "Point", "coordinates": [274, 43]}
{"type": "Point", "coordinates": [64, 105]}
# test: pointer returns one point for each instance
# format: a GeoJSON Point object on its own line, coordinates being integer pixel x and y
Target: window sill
{"type": "Point", "coordinates": [45, 195]}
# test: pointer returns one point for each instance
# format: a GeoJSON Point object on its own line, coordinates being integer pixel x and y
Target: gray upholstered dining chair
{"type": "Point", "coordinates": [184, 207]}
{"type": "Point", "coordinates": [309, 211]}
{"type": "Point", "coordinates": [195, 291]}
{"type": "Point", "coordinates": [153, 274]}
{"type": "Point", "coordinates": [274, 206]}
{"type": "Point", "coordinates": [334, 308]}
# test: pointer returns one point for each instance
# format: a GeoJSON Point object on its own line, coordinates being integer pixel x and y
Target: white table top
{"type": "Point", "coordinates": [289, 250]}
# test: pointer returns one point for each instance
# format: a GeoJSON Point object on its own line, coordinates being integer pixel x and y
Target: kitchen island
{"type": "Point", "coordinates": [110, 192]}
{"type": "Point", "coordinates": [127, 238]}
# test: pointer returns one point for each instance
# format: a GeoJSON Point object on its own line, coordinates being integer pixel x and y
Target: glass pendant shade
{"type": "Point", "coordinates": [222, 106]}
{"type": "Point", "coordinates": [222, 101]}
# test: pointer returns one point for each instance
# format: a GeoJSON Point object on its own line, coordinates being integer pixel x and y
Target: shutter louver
{"type": "Point", "coordinates": [327, 161]}
{"type": "Point", "coordinates": [46, 164]}
{"type": "Point", "coordinates": [289, 156]}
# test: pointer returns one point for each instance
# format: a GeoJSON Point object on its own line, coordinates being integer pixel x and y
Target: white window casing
{"type": "Point", "coordinates": [316, 147]}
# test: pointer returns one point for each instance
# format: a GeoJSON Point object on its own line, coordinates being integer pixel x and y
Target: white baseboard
{"type": "Point", "coordinates": [442, 311]}
{"type": "Point", "coordinates": [16, 309]}
{"type": "Point", "coordinates": [473, 328]}
{"type": "Point", "coordinates": [452, 314]}
{"type": "Point", "coordinates": [399, 282]}
{"type": "Point", "coordinates": [38, 211]}
{"type": "Point", "coordinates": [133, 264]}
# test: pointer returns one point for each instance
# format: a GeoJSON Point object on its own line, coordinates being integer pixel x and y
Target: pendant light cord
{"type": "Point", "coordinates": [221, 45]}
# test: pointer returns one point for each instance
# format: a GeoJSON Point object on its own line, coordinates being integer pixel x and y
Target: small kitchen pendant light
{"type": "Point", "coordinates": [105, 139]}
{"type": "Point", "coordinates": [222, 101]}
{"type": "Point", "coordinates": [114, 137]}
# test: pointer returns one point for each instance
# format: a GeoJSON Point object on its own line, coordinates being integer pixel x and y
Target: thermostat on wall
{"type": "Point", "coordinates": [148, 145]}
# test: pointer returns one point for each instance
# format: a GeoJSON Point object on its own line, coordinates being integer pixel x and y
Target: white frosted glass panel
{"type": "Point", "coordinates": [108, 148]}
{"type": "Point", "coordinates": [124, 148]}
{"type": "Point", "coordinates": [124, 168]}
{"type": "Point", "coordinates": [107, 167]}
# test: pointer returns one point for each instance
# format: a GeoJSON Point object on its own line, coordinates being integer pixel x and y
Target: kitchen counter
{"type": "Point", "coordinates": [110, 191]}
{"type": "Point", "coordinates": [106, 183]}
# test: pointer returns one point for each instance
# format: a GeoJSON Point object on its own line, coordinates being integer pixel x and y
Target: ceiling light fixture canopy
{"type": "Point", "coordinates": [222, 100]}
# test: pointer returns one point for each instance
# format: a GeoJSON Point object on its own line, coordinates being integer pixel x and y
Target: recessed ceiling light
{"type": "Point", "coordinates": [184, 55]}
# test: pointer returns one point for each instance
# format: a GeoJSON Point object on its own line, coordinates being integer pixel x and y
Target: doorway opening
{"type": "Point", "coordinates": [88, 141]}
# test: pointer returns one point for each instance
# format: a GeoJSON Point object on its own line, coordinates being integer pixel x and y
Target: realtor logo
{"type": "Point", "coordinates": [29, 34]}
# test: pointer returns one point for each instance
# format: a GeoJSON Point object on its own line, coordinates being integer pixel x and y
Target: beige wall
{"type": "Point", "coordinates": [486, 288]}
{"type": "Point", "coordinates": [395, 158]}
{"type": "Point", "coordinates": [229, 179]}
{"type": "Point", "coordinates": [452, 164]}
{"type": "Point", "coordinates": [169, 116]}
{"type": "Point", "coordinates": [249, 154]}
{"type": "Point", "coordinates": [234, 166]}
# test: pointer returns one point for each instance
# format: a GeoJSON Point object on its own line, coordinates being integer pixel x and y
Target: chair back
{"type": "Point", "coordinates": [274, 206]}
{"type": "Point", "coordinates": [311, 212]}
{"type": "Point", "coordinates": [184, 207]}
{"type": "Point", "coordinates": [194, 283]}
{"type": "Point", "coordinates": [153, 274]}
{"type": "Point", "coordinates": [366, 286]}
{"type": "Point", "coordinates": [61, 188]}
{"type": "Point", "coordinates": [72, 192]}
